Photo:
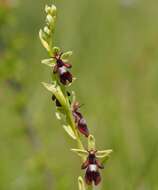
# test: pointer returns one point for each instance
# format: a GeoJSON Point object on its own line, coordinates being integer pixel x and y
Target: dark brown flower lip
{"type": "Point", "coordinates": [64, 75]}
{"type": "Point", "coordinates": [92, 176]}
{"type": "Point", "coordinates": [62, 69]}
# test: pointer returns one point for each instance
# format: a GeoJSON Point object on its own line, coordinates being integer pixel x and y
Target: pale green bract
{"type": "Point", "coordinates": [81, 184]}
{"type": "Point", "coordinates": [56, 90]}
{"type": "Point", "coordinates": [70, 132]}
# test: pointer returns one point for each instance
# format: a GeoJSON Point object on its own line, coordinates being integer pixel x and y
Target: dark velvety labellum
{"type": "Point", "coordinates": [62, 69]}
{"type": "Point", "coordinates": [92, 167]}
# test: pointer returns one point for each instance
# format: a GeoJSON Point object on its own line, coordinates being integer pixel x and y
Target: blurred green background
{"type": "Point", "coordinates": [115, 45]}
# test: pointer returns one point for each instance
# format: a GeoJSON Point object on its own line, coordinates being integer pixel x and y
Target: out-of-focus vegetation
{"type": "Point", "coordinates": [115, 59]}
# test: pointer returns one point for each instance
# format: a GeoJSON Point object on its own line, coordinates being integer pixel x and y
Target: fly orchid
{"type": "Point", "coordinates": [61, 68]}
{"type": "Point", "coordinates": [79, 120]}
{"type": "Point", "coordinates": [67, 108]}
{"type": "Point", "coordinates": [91, 162]}
{"type": "Point", "coordinates": [92, 166]}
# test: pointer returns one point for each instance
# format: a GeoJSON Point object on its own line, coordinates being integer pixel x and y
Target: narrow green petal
{"type": "Point", "coordinates": [82, 153]}
{"type": "Point", "coordinates": [103, 153]}
{"type": "Point", "coordinates": [49, 62]}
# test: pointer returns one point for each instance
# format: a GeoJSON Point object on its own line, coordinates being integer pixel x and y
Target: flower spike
{"type": "Point", "coordinates": [67, 108]}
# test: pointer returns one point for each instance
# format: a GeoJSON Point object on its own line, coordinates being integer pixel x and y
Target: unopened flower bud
{"type": "Point", "coordinates": [47, 9]}
{"type": "Point", "coordinates": [49, 19]}
{"type": "Point", "coordinates": [46, 30]}
{"type": "Point", "coordinates": [51, 10]}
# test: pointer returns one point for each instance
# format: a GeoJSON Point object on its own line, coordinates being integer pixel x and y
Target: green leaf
{"type": "Point", "coordinates": [81, 184]}
{"type": "Point", "coordinates": [103, 153]}
{"type": "Point", "coordinates": [69, 131]}
{"type": "Point", "coordinates": [49, 62]}
{"type": "Point", "coordinates": [43, 41]}
{"type": "Point", "coordinates": [80, 152]}
{"type": "Point", "coordinates": [65, 56]}
{"type": "Point", "coordinates": [91, 142]}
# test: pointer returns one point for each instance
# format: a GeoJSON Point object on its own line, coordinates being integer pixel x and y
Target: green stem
{"type": "Point", "coordinates": [69, 116]}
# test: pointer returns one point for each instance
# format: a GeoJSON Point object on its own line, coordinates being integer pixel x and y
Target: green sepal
{"type": "Point", "coordinates": [65, 56]}
{"type": "Point", "coordinates": [69, 131]}
{"type": "Point", "coordinates": [91, 142]}
{"type": "Point", "coordinates": [56, 50]}
{"type": "Point", "coordinates": [49, 62]}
